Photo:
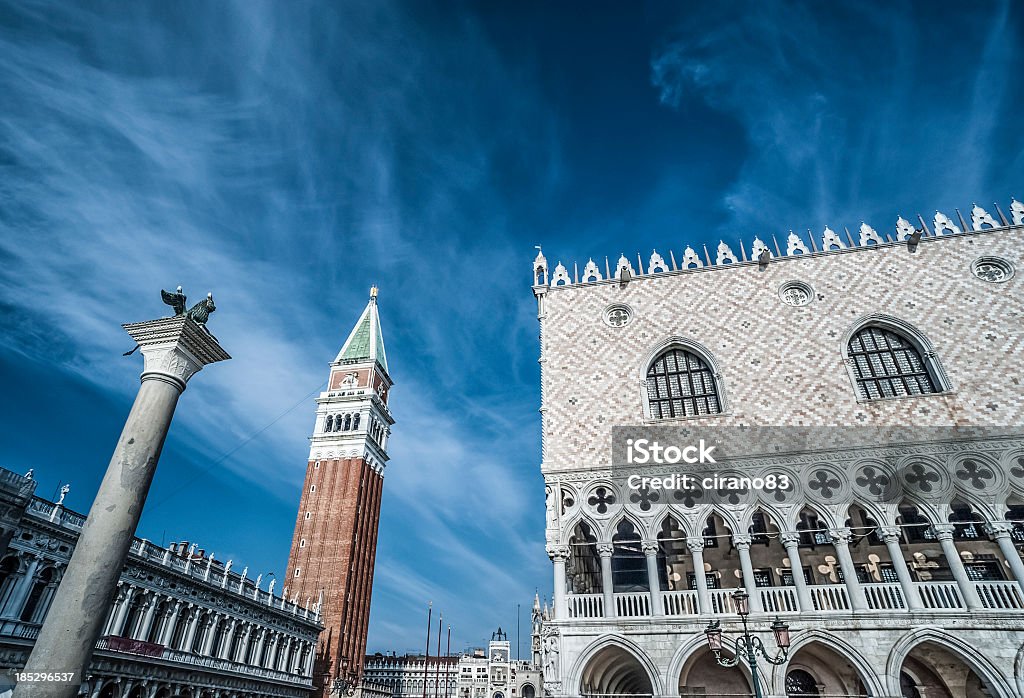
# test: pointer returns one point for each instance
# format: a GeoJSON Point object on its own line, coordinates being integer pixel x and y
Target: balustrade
{"type": "Point", "coordinates": [631, 605]}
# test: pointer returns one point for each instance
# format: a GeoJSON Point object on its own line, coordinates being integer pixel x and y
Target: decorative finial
{"type": "Point", "coordinates": [373, 291]}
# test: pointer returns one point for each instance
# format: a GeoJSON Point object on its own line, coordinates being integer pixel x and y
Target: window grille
{"type": "Point", "coordinates": [680, 384]}
{"type": "Point", "coordinates": [887, 364]}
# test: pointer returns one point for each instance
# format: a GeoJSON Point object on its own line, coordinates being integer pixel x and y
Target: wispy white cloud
{"type": "Point", "coordinates": [846, 109]}
{"type": "Point", "coordinates": [284, 157]}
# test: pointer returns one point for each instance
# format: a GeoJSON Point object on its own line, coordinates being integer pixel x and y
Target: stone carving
{"type": "Point", "coordinates": [942, 223]}
{"type": "Point", "coordinates": [794, 245]}
{"type": "Point", "coordinates": [591, 272]}
{"type": "Point", "coordinates": [868, 235]}
{"type": "Point", "coordinates": [691, 259]}
{"type": "Point", "coordinates": [980, 217]}
{"type": "Point", "coordinates": [725, 254]}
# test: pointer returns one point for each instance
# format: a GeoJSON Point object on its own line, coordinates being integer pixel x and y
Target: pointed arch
{"type": "Point", "coordinates": [872, 681]}
{"type": "Point", "coordinates": [680, 379]}
{"type": "Point", "coordinates": [887, 356]}
{"type": "Point", "coordinates": [621, 644]}
{"type": "Point", "coordinates": [963, 650]}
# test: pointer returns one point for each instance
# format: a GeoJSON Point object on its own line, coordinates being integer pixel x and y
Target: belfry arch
{"type": "Point", "coordinates": [615, 670]}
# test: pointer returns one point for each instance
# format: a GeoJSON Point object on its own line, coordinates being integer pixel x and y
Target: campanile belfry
{"type": "Point", "coordinates": [335, 541]}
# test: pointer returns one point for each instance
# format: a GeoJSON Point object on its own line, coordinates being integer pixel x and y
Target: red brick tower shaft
{"type": "Point", "coordinates": [335, 541]}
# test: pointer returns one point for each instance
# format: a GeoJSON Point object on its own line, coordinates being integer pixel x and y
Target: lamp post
{"type": "Point", "coordinates": [748, 646]}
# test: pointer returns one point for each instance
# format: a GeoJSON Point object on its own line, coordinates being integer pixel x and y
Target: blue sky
{"type": "Point", "coordinates": [288, 155]}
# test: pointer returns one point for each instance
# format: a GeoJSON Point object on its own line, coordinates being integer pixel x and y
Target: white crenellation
{"type": "Point", "coordinates": [831, 242]}
{"type": "Point", "coordinates": [869, 235]}
{"type": "Point", "coordinates": [725, 254]}
{"type": "Point", "coordinates": [942, 222]}
{"type": "Point", "coordinates": [691, 260]}
{"type": "Point", "coordinates": [980, 217]}
{"type": "Point", "coordinates": [904, 229]}
{"type": "Point", "coordinates": [657, 264]}
{"type": "Point", "coordinates": [794, 245]}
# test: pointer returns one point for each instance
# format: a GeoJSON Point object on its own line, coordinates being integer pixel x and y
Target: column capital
{"type": "Point", "coordinates": [558, 553]}
{"type": "Point", "coordinates": [605, 549]}
{"type": "Point", "coordinates": [742, 541]}
{"type": "Point", "coordinates": [999, 529]}
{"type": "Point", "coordinates": [650, 547]}
{"type": "Point", "coordinates": [890, 534]}
{"type": "Point", "coordinates": [695, 545]}
{"type": "Point", "coordinates": [840, 536]}
{"type": "Point", "coordinates": [175, 348]}
{"type": "Point", "coordinates": [943, 531]}
{"type": "Point", "coordinates": [789, 539]}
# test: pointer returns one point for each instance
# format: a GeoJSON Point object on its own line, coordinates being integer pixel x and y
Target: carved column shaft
{"type": "Point", "coordinates": [22, 590]}
{"type": "Point", "coordinates": [558, 555]}
{"type": "Point", "coordinates": [791, 541]}
{"type": "Point", "coordinates": [1001, 531]}
{"type": "Point", "coordinates": [944, 532]}
{"type": "Point", "coordinates": [742, 543]}
{"type": "Point", "coordinates": [841, 541]}
{"type": "Point", "coordinates": [696, 546]}
{"type": "Point", "coordinates": [891, 536]}
{"type": "Point", "coordinates": [651, 549]}
{"type": "Point", "coordinates": [605, 550]}
{"type": "Point", "coordinates": [174, 349]}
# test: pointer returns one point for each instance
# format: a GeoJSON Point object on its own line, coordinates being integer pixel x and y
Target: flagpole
{"type": "Point", "coordinates": [426, 657]}
{"type": "Point", "coordinates": [440, 621]}
{"type": "Point", "coordinates": [448, 660]}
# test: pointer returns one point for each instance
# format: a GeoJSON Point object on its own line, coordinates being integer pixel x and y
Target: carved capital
{"type": "Point", "coordinates": [790, 539]}
{"type": "Point", "coordinates": [650, 547]}
{"type": "Point", "coordinates": [558, 553]}
{"type": "Point", "coordinates": [943, 531]}
{"type": "Point", "coordinates": [742, 541]}
{"type": "Point", "coordinates": [695, 545]}
{"type": "Point", "coordinates": [999, 529]}
{"type": "Point", "coordinates": [889, 534]}
{"type": "Point", "coordinates": [840, 536]}
{"type": "Point", "coordinates": [175, 349]}
{"type": "Point", "coordinates": [605, 549]}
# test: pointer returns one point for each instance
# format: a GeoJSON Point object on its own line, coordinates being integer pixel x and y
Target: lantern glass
{"type": "Point", "coordinates": [742, 601]}
{"type": "Point", "coordinates": [714, 634]}
{"type": "Point", "coordinates": [781, 631]}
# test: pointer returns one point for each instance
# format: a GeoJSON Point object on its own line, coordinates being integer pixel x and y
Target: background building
{"type": "Point", "coordinates": [335, 541]}
{"type": "Point", "coordinates": [182, 624]}
{"type": "Point", "coordinates": [404, 676]}
{"type": "Point", "coordinates": [897, 567]}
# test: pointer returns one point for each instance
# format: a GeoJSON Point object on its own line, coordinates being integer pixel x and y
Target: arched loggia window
{"type": "Point", "coordinates": [681, 384]}
{"type": "Point", "coordinates": [887, 362]}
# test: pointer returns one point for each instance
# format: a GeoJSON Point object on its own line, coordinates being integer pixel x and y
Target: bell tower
{"type": "Point", "coordinates": [334, 546]}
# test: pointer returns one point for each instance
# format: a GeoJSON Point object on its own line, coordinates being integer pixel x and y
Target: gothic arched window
{"type": "Point", "coordinates": [887, 363]}
{"type": "Point", "coordinates": [681, 384]}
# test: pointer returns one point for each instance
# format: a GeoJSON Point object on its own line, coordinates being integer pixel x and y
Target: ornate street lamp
{"type": "Point", "coordinates": [747, 646]}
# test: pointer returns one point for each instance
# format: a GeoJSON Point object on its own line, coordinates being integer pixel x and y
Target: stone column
{"type": "Point", "coordinates": [841, 541]}
{"type": "Point", "coordinates": [117, 627]}
{"type": "Point", "coordinates": [174, 349]}
{"type": "Point", "coordinates": [890, 535]}
{"type": "Point", "coordinates": [271, 652]}
{"type": "Point", "coordinates": [243, 644]}
{"type": "Point", "coordinates": [147, 619]}
{"type": "Point", "coordinates": [696, 546]}
{"type": "Point", "coordinates": [605, 550]}
{"type": "Point", "coordinates": [258, 654]}
{"type": "Point", "coordinates": [651, 550]}
{"type": "Point", "coordinates": [282, 663]}
{"type": "Point", "coordinates": [193, 626]}
{"type": "Point", "coordinates": [742, 541]}
{"type": "Point", "coordinates": [558, 555]}
{"type": "Point", "coordinates": [791, 541]}
{"type": "Point", "coordinates": [211, 635]}
{"type": "Point", "coordinates": [944, 532]}
{"type": "Point", "coordinates": [1002, 532]}
{"type": "Point", "coordinates": [21, 592]}
{"type": "Point", "coordinates": [170, 625]}
{"type": "Point", "coordinates": [229, 637]}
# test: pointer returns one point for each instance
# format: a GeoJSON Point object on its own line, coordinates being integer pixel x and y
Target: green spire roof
{"type": "Point", "coordinates": [365, 342]}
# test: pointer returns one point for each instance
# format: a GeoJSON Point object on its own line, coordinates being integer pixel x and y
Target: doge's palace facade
{"type": "Point", "coordinates": [881, 373]}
